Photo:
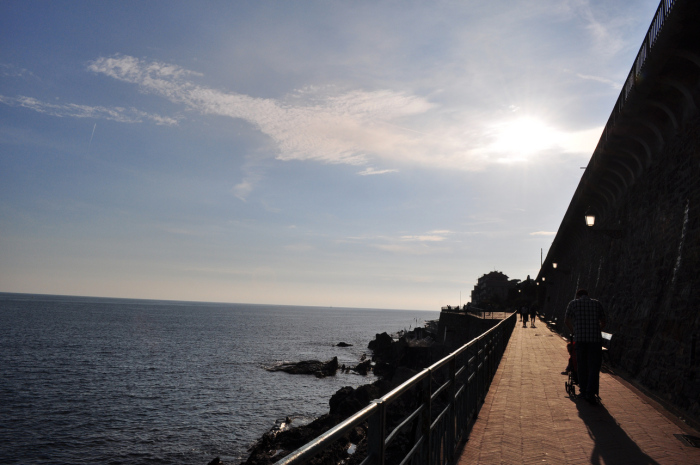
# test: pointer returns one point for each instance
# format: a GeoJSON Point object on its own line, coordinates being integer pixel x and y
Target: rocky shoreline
{"type": "Point", "coordinates": [392, 361]}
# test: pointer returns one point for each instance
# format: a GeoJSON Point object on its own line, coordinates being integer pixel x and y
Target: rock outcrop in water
{"type": "Point", "coordinates": [363, 367]}
{"type": "Point", "coordinates": [309, 367]}
{"type": "Point", "coordinates": [394, 362]}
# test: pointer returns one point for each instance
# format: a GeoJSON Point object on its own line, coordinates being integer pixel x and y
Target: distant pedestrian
{"type": "Point", "coordinates": [533, 314]}
{"type": "Point", "coordinates": [524, 312]}
{"type": "Point", "coordinates": [585, 317]}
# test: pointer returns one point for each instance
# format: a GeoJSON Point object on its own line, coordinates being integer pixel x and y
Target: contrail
{"type": "Point", "coordinates": [93, 135]}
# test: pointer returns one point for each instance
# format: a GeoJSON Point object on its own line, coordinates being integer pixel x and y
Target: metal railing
{"type": "Point", "coordinates": [479, 312]}
{"type": "Point", "coordinates": [443, 400]}
{"type": "Point", "coordinates": [662, 13]}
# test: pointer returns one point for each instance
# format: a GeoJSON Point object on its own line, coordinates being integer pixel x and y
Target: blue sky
{"type": "Point", "coordinates": [356, 154]}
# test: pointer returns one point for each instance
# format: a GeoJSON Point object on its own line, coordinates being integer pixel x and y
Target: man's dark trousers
{"type": "Point", "coordinates": [589, 356]}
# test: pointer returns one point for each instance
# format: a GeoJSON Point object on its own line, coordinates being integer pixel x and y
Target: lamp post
{"type": "Point", "coordinates": [590, 219]}
{"type": "Point", "coordinates": [559, 269]}
{"type": "Point", "coordinates": [614, 233]}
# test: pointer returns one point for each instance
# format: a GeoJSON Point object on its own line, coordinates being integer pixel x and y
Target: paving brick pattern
{"type": "Point", "coordinates": [528, 418]}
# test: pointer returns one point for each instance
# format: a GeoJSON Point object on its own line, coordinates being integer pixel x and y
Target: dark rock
{"type": "Point", "coordinates": [363, 368]}
{"type": "Point", "coordinates": [357, 435]}
{"type": "Point", "coordinates": [275, 444]}
{"type": "Point", "coordinates": [381, 343]}
{"type": "Point", "coordinates": [343, 344]}
{"type": "Point", "coordinates": [309, 367]}
{"type": "Point", "coordinates": [216, 461]}
{"type": "Point", "coordinates": [390, 361]}
{"type": "Point", "coordinates": [339, 397]}
{"type": "Point", "coordinates": [347, 400]}
{"type": "Point", "coordinates": [384, 369]}
{"type": "Point", "coordinates": [401, 375]}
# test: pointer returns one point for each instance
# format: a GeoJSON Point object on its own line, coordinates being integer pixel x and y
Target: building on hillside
{"type": "Point", "coordinates": [492, 287]}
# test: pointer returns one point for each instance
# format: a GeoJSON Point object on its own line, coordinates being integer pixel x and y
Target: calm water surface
{"type": "Point", "coordinates": [87, 380]}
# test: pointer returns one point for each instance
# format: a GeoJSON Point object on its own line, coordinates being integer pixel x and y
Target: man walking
{"type": "Point", "coordinates": [585, 317]}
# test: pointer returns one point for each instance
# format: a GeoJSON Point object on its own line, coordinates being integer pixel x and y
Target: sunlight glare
{"type": "Point", "coordinates": [519, 139]}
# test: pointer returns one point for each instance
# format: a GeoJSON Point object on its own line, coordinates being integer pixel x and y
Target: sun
{"type": "Point", "coordinates": [521, 138]}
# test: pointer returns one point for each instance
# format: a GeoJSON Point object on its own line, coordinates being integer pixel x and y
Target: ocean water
{"type": "Point", "coordinates": [115, 381]}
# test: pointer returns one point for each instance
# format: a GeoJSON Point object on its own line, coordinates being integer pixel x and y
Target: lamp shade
{"type": "Point", "coordinates": [590, 219]}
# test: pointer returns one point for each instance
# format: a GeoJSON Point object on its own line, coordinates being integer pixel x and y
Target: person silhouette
{"type": "Point", "coordinates": [585, 317]}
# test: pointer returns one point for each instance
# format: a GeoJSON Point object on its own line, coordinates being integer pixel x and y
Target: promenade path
{"type": "Point", "coordinates": [528, 418]}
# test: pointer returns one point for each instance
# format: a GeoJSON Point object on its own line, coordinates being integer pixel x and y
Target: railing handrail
{"type": "Point", "coordinates": [307, 451]}
{"type": "Point", "coordinates": [375, 412]}
{"type": "Point", "coordinates": [662, 13]}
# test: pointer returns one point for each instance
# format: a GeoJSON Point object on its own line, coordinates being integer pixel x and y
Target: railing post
{"type": "Point", "coordinates": [487, 362]}
{"type": "Point", "coordinates": [426, 391]}
{"type": "Point", "coordinates": [489, 354]}
{"type": "Point", "coordinates": [471, 390]}
{"type": "Point", "coordinates": [377, 434]}
{"type": "Point", "coordinates": [452, 417]}
{"type": "Point", "coordinates": [481, 369]}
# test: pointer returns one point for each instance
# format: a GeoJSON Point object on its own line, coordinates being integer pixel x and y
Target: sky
{"type": "Point", "coordinates": [380, 154]}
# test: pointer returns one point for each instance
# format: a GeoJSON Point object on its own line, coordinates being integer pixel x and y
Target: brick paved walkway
{"type": "Point", "coordinates": [528, 418]}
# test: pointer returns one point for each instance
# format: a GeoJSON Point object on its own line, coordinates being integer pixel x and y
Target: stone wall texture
{"type": "Point", "coordinates": [642, 257]}
{"type": "Point", "coordinates": [648, 279]}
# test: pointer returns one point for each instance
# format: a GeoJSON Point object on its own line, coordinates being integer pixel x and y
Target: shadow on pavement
{"type": "Point", "coordinates": [612, 445]}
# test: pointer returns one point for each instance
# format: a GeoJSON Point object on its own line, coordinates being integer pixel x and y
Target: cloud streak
{"type": "Point", "coordinates": [119, 114]}
{"type": "Point", "coordinates": [329, 125]}
{"type": "Point", "coordinates": [309, 125]}
{"type": "Point", "coordinates": [371, 171]}
{"type": "Point", "coordinates": [609, 82]}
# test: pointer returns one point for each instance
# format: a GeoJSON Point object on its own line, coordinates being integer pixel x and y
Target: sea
{"type": "Point", "coordinates": [87, 380]}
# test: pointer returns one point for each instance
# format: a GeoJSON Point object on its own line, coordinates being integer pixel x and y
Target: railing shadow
{"type": "Point", "coordinates": [611, 442]}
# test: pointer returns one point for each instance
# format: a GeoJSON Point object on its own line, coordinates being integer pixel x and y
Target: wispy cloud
{"type": "Point", "coordinates": [605, 29]}
{"type": "Point", "coordinates": [371, 171]}
{"type": "Point", "coordinates": [120, 114]}
{"type": "Point", "coordinates": [339, 126]}
{"type": "Point", "coordinates": [12, 71]}
{"type": "Point", "coordinates": [418, 244]}
{"type": "Point", "coordinates": [243, 188]}
{"type": "Point", "coordinates": [610, 82]}
{"type": "Point", "coordinates": [425, 238]}
{"type": "Point", "coordinates": [327, 124]}
{"type": "Point", "coordinates": [543, 233]}
{"type": "Point", "coordinates": [311, 124]}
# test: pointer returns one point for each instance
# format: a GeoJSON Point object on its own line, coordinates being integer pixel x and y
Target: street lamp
{"type": "Point", "coordinates": [614, 233]}
{"type": "Point", "coordinates": [560, 269]}
{"type": "Point", "coordinates": [590, 219]}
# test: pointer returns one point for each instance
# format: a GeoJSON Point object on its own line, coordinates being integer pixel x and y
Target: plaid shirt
{"type": "Point", "coordinates": [586, 314]}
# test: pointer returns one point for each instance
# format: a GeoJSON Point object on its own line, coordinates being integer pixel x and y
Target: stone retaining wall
{"type": "Point", "coordinates": [457, 329]}
{"type": "Point", "coordinates": [649, 279]}
{"type": "Point", "coordinates": [642, 257]}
